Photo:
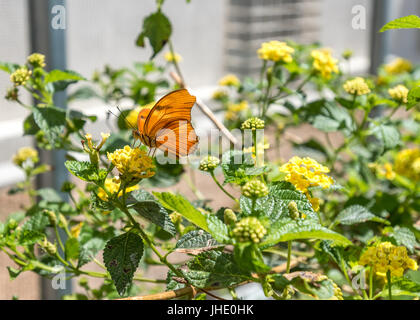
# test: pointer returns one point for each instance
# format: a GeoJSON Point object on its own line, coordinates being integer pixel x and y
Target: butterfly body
{"type": "Point", "coordinates": [167, 125]}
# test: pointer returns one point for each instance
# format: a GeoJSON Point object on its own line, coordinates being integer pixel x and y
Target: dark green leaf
{"type": "Point", "coordinates": [357, 214]}
{"type": "Point", "coordinates": [85, 171]}
{"type": "Point", "coordinates": [157, 28]}
{"type": "Point", "coordinates": [196, 239]}
{"type": "Point", "coordinates": [51, 121]}
{"type": "Point", "coordinates": [121, 256]}
{"type": "Point", "coordinates": [404, 237]}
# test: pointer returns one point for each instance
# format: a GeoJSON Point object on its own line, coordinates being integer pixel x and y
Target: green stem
{"type": "Point", "coordinates": [178, 70]}
{"type": "Point", "coordinates": [388, 276]}
{"type": "Point", "coordinates": [58, 238]}
{"type": "Point", "coordinates": [221, 187]}
{"type": "Point", "coordinates": [289, 255]}
{"type": "Point", "coordinates": [370, 283]}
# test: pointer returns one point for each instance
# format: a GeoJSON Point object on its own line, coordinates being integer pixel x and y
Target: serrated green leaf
{"type": "Point", "coordinates": [196, 239]}
{"type": "Point", "coordinates": [9, 67]}
{"type": "Point", "coordinates": [388, 135]}
{"type": "Point", "coordinates": [177, 203]}
{"type": "Point", "coordinates": [33, 229]}
{"type": "Point", "coordinates": [413, 97]}
{"type": "Point", "coordinates": [402, 287]}
{"type": "Point", "coordinates": [51, 121]}
{"type": "Point", "coordinates": [215, 268]}
{"type": "Point", "coordinates": [274, 206]}
{"type": "Point", "coordinates": [72, 249]}
{"type": "Point", "coordinates": [330, 117]}
{"type": "Point", "coordinates": [235, 165]}
{"type": "Point", "coordinates": [408, 22]}
{"type": "Point", "coordinates": [288, 229]}
{"type": "Point", "coordinates": [357, 214]}
{"type": "Point", "coordinates": [156, 213]}
{"type": "Point", "coordinates": [157, 28]}
{"type": "Point", "coordinates": [404, 237]}
{"type": "Point", "coordinates": [121, 256]}
{"type": "Point", "coordinates": [85, 171]}
{"type": "Point", "coordinates": [218, 229]}
{"type": "Point", "coordinates": [89, 250]}
{"type": "Point", "coordinates": [61, 79]}
{"type": "Point", "coordinates": [49, 194]}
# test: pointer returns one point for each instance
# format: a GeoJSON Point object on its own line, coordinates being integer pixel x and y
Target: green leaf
{"type": "Point", "coordinates": [215, 268]}
{"type": "Point", "coordinates": [249, 258]}
{"type": "Point", "coordinates": [404, 237]}
{"type": "Point", "coordinates": [357, 214]}
{"type": "Point", "coordinates": [85, 171]}
{"type": "Point", "coordinates": [196, 239]}
{"type": "Point", "coordinates": [288, 229]}
{"type": "Point", "coordinates": [33, 229]}
{"type": "Point", "coordinates": [404, 287]}
{"type": "Point", "coordinates": [157, 28]}
{"type": "Point", "coordinates": [408, 22]}
{"type": "Point", "coordinates": [121, 256]}
{"type": "Point", "coordinates": [218, 229]}
{"type": "Point", "coordinates": [177, 203]}
{"type": "Point", "coordinates": [388, 135]}
{"type": "Point", "coordinates": [9, 67]}
{"type": "Point", "coordinates": [51, 121]}
{"type": "Point", "coordinates": [274, 206]}
{"type": "Point", "coordinates": [89, 250]}
{"type": "Point", "coordinates": [235, 165]}
{"type": "Point", "coordinates": [413, 97]}
{"type": "Point", "coordinates": [72, 249]}
{"type": "Point", "coordinates": [154, 212]}
{"type": "Point", "coordinates": [61, 79]}
{"type": "Point", "coordinates": [49, 194]}
{"type": "Point", "coordinates": [14, 273]}
{"type": "Point", "coordinates": [29, 125]}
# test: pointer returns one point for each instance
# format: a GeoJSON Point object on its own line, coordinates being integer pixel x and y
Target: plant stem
{"type": "Point", "coordinates": [221, 187]}
{"type": "Point", "coordinates": [370, 283]}
{"type": "Point", "coordinates": [388, 276]}
{"type": "Point", "coordinates": [289, 254]}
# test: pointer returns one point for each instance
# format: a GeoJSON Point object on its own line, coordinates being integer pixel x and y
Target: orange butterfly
{"type": "Point", "coordinates": [167, 125]}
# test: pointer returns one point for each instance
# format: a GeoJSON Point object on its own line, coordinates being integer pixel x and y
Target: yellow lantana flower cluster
{"type": "Point", "coordinates": [324, 63]}
{"type": "Point", "coordinates": [175, 57]}
{"type": "Point", "coordinates": [20, 76]}
{"type": "Point", "coordinates": [399, 65]}
{"type": "Point", "coordinates": [356, 86]}
{"type": "Point", "coordinates": [132, 116]}
{"type": "Point", "coordinates": [407, 164]}
{"type": "Point", "coordinates": [230, 80]}
{"type": "Point", "coordinates": [399, 93]}
{"type": "Point", "coordinates": [388, 257]}
{"type": "Point", "coordinates": [276, 51]}
{"type": "Point", "coordinates": [112, 185]}
{"type": "Point", "coordinates": [304, 173]}
{"type": "Point", "coordinates": [234, 109]}
{"type": "Point", "coordinates": [385, 170]}
{"type": "Point", "coordinates": [133, 164]}
{"type": "Point", "coordinates": [24, 154]}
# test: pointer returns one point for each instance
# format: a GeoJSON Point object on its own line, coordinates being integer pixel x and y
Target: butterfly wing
{"type": "Point", "coordinates": [169, 123]}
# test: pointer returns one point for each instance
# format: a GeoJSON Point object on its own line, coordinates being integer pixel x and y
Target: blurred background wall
{"type": "Point", "coordinates": [214, 37]}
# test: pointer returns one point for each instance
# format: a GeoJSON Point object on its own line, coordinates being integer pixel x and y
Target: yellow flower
{"type": "Point", "coordinates": [386, 257]}
{"type": "Point", "coordinates": [276, 51]}
{"type": "Point", "coordinates": [133, 164]}
{"type": "Point", "coordinates": [234, 109]}
{"type": "Point", "coordinates": [112, 186]}
{"type": "Point", "coordinates": [24, 154]}
{"type": "Point", "coordinates": [356, 86]}
{"type": "Point", "coordinates": [230, 80]}
{"type": "Point", "coordinates": [219, 95]}
{"type": "Point", "coordinates": [37, 60]}
{"type": "Point", "coordinates": [173, 57]}
{"type": "Point", "coordinates": [305, 173]}
{"type": "Point", "coordinates": [324, 63]}
{"type": "Point", "coordinates": [75, 230]}
{"type": "Point", "coordinates": [399, 65]}
{"type": "Point", "coordinates": [399, 93]}
{"type": "Point", "coordinates": [20, 76]}
{"type": "Point", "coordinates": [132, 116]}
{"type": "Point", "coordinates": [407, 164]}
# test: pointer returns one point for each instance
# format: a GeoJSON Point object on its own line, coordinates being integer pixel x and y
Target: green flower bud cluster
{"type": "Point", "coordinates": [49, 247]}
{"type": "Point", "coordinates": [36, 60]}
{"type": "Point", "coordinates": [20, 76]}
{"type": "Point", "coordinates": [254, 189]}
{"type": "Point", "coordinates": [249, 229]}
{"type": "Point", "coordinates": [12, 94]}
{"type": "Point", "coordinates": [176, 217]}
{"type": "Point", "coordinates": [293, 210]}
{"type": "Point", "coordinates": [253, 124]}
{"type": "Point", "coordinates": [209, 163]}
{"type": "Point", "coordinates": [51, 217]}
{"type": "Point", "coordinates": [12, 224]}
{"type": "Point", "coordinates": [287, 293]}
{"type": "Point", "coordinates": [229, 217]}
